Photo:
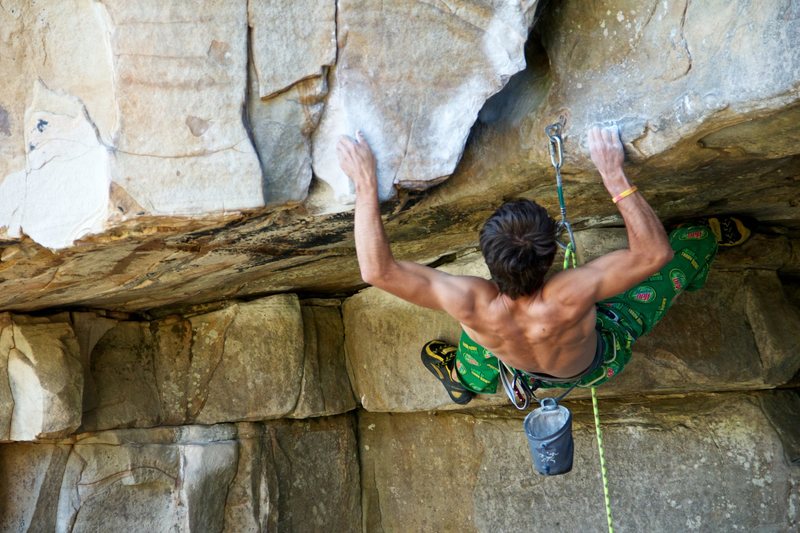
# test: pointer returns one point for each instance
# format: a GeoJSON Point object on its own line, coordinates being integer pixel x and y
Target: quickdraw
{"type": "Point", "coordinates": [556, 146]}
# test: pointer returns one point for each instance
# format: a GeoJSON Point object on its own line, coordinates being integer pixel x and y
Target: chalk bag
{"type": "Point", "coordinates": [549, 431]}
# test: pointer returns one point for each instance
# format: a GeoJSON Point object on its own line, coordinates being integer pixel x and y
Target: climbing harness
{"type": "Point", "coordinates": [518, 385]}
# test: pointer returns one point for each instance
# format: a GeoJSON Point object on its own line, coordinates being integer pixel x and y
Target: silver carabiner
{"type": "Point", "coordinates": [553, 132]}
{"type": "Point", "coordinates": [562, 225]}
{"type": "Point", "coordinates": [516, 389]}
{"type": "Point", "coordinates": [556, 151]}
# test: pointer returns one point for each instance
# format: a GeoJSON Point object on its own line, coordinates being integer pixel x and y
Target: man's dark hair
{"type": "Point", "coordinates": [519, 243]}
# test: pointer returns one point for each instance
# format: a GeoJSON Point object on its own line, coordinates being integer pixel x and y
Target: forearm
{"type": "Point", "coordinates": [646, 235]}
{"type": "Point", "coordinates": [372, 245]}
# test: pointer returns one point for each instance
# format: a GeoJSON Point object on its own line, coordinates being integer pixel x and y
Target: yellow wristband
{"type": "Point", "coordinates": [624, 194]}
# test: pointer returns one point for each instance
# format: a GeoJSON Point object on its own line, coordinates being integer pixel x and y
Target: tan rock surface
{"type": "Point", "coordinates": [29, 493]}
{"type": "Point", "coordinates": [62, 193]}
{"type": "Point", "coordinates": [680, 67]}
{"type": "Point", "coordinates": [62, 46]}
{"type": "Point", "coordinates": [262, 354]}
{"type": "Point", "coordinates": [149, 478]}
{"type": "Point", "coordinates": [745, 162]}
{"type": "Point", "coordinates": [281, 128]}
{"type": "Point", "coordinates": [325, 387]}
{"type": "Point", "coordinates": [180, 102]}
{"type": "Point", "coordinates": [413, 76]}
{"type": "Point", "coordinates": [295, 476]}
{"type": "Point", "coordinates": [282, 358]}
{"type": "Point", "coordinates": [705, 461]}
{"type": "Point", "coordinates": [44, 386]}
{"type": "Point", "coordinates": [177, 371]}
{"type": "Point", "coordinates": [316, 466]}
{"type": "Point", "coordinates": [291, 40]}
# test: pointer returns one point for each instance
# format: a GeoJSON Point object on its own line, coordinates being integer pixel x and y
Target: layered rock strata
{"type": "Point", "coordinates": [282, 358]}
{"type": "Point", "coordinates": [228, 477]}
{"type": "Point", "coordinates": [690, 463]}
{"type": "Point", "coordinates": [167, 173]}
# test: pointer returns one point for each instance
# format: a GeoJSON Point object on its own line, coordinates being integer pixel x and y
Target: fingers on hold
{"type": "Point", "coordinates": [594, 136]}
{"type": "Point", "coordinates": [612, 133]}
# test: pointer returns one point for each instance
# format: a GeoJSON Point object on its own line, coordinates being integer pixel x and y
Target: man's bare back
{"type": "Point", "coordinates": [535, 334]}
{"type": "Point", "coordinates": [549, 330]}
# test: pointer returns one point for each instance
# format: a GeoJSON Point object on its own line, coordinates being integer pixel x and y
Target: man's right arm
{"type": "Point", "coordinates": [648, 246]}
{"type": "Point", "coordinates": [418, 284]}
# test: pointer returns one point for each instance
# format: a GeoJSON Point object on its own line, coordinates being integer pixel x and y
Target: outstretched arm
{"type": "Point", "coordinates": [415, 283]}
{"type": "Point", "coordinates": [648, 246]}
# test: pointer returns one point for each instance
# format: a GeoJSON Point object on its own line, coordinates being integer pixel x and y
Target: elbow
{"type": "Point", "coordinates": [664, 256]}
{"type": "Point", "coordinates": [373, 276]}
{"type": "Point", "coordinates": [368, 276]}
{"type": "Point", "coordinates": [379, 274]}
{"type": "Point", "coordinates": [654, 260]}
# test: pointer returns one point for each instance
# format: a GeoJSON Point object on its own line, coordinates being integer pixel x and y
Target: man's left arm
{"type": "Point", "coordinates": [412, 282]}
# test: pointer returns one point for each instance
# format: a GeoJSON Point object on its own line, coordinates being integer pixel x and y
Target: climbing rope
{"type": "Point", "coordinates": [556, 145]}
{"type": "Point", "coordinates": [603, 473]}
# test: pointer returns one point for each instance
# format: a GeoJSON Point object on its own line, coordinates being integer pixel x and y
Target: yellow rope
{"type": "Point", "coordinates": [603, 472]}
{"type": "Point", "coordinates": [570, 257]}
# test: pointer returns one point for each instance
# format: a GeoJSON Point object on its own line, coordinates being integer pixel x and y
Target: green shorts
{"type": "Point", "coordinates": [620, 320]}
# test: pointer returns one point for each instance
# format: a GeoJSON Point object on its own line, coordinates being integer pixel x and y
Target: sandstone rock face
{"type": "Point", "coordinates": [678, 464]}
{"type": "Point", "coordinates": [32, 476]}
{"type": "Point", "coordinates": [413, 76]}
{"type": "Point", "coordinates": [681, 67]}
{"type": "Point", "coordinates": [169, 480]}
{"type": "Point", "coordinates": [89, 329]}
{"type": "Point", "coordinates": [283, 360]}
{"type": "Point", "coordinates": [62, 193]}
{"type": "Point", "coordinates": [58, 116]}
{"type": "Point", "coordinates": [178, 371]}
{"type": "Point", "coordinates": [108, 110]}
{"type": "Point", "coordinates": [700, 140]}
{"type": "Point", "coordinates": [317, 470]}
{"type": "Point", "coordinates": [292, 47]}
{"type": "Point", "coordinates": [281, 129]}
{"type": "Point", "coordinates": [180, 103]}
{"type": "Point", "coordinates": [156, 180]}
{"type": "Point", "coordinates": [62, 47]}
{"type": "Point", "coordinates": [42, 379]}
{"type": "Point", "coordinates": [325, 388]}
{"type": "Point", "coordinates": [292, 41]}
{"type": "Point", "coordinates": [193, 478]}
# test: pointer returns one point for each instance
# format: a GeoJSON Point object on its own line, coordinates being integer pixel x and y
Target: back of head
{"type": "Point", "coordinates": [519, 243]}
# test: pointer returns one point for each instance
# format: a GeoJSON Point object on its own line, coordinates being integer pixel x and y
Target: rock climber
{"type": "Point", "coordinates": [578, 325]}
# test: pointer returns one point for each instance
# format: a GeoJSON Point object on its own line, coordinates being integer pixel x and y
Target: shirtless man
{"type": "Point", "coordinates": [576, 326]}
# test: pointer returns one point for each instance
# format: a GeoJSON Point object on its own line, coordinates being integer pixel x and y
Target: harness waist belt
{"type": "Point", "coordinates": [595, 364]}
